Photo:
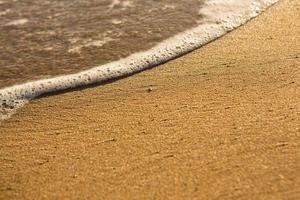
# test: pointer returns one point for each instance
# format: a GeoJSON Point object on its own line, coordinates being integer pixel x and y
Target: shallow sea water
{"type": "Point", "coordinates": [40, 39]}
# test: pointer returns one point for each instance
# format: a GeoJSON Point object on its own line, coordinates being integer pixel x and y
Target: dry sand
{"type": "Point", "coordinates": [219, 123]}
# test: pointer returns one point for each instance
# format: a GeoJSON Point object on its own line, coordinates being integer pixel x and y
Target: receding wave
{"type": "Point", "coordinates": [218, 18]}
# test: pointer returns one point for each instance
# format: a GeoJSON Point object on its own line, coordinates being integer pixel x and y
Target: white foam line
{"type": "Point", "coordinates": [220, 16]}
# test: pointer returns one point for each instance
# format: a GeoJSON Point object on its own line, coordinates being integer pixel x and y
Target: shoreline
{"type": "Point", "coordinates": [219, 122]}
{"type": "Point", "coordinates": [12, 98]}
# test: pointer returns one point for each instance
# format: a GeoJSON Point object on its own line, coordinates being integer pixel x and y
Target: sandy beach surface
{"type": "Point", "coordinates": [219, 123]}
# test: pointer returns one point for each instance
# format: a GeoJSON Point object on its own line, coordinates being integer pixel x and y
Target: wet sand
{"type": "Point", "coordinates": [42, 39]}
{"type": "Point", "coordinates": [221, 122]}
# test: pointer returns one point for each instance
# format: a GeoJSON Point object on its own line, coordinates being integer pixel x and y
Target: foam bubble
{"type": "Point", "coordinates": [95, 43]}
{"type": "Point", "coordinates": [5, 12]}
{"type": "Point", "coordinates": [219, 17]}
{"type": "Point", "coordinates": [17, 22]}
{"type": "Point", "coordinates": [124, 4]}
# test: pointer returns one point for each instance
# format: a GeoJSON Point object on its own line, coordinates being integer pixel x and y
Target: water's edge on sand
{"type": "Point", "coordinates": [220, 18]}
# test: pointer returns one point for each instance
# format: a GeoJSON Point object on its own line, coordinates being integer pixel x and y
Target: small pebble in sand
{"type": "Point", "coordinates": [150, 89]}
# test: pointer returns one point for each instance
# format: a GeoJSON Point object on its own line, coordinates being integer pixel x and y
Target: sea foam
{"type": "Point", "coordinates": [219, 17]}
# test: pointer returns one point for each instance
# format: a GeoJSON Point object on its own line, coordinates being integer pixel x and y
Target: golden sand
{"type": "Point", "coordinates": [221, 122]}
